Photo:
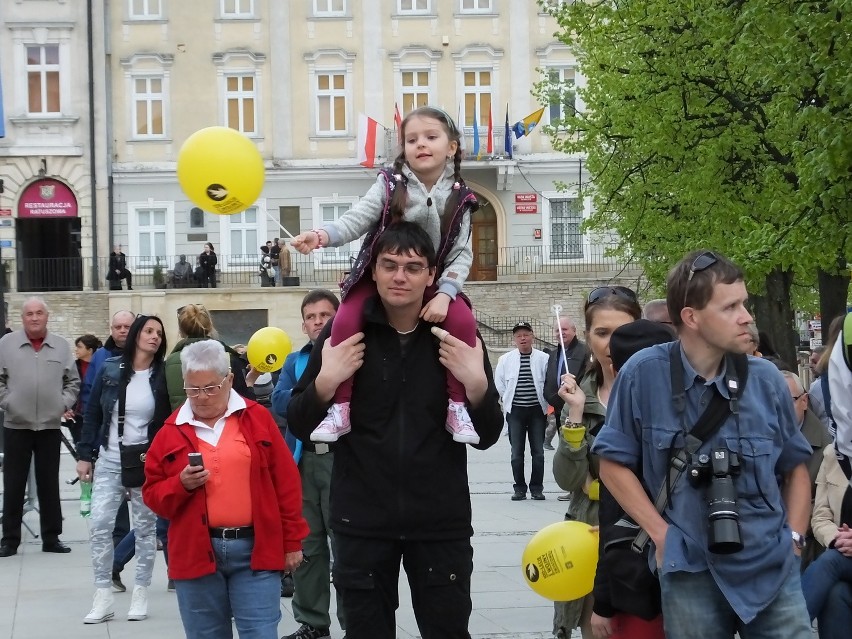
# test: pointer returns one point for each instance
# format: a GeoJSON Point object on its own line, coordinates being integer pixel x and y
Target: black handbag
{"type": "Point", "coordinates": [132, 456]}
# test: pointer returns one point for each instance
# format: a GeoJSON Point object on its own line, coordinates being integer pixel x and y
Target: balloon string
{"type": "Point", "coordinates": [281, 226]}
{"type": "Point", "coordinates": [556, 311]}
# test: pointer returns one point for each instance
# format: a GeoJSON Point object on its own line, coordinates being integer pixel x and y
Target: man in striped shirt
{"type": "Point", "coordinates": [520, 381]}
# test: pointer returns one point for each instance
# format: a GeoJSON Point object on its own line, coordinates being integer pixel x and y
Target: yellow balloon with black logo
{"type": "Point", "coordinates": [560, 560]}
{"type": "Point", "coordinates": [220, 170]}
{"type": "Point", "coordinates": [267, 349]}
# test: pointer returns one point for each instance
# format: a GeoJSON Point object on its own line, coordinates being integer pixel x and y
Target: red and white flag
{"type": "Point", "coordinates": [490, 144]}
{"type": "Point", "coordinates": [367, 128]}
{"type": "Point", "coordinates": [397, 121]}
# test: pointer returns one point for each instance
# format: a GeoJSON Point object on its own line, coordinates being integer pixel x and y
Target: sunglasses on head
{"type": "Point", "coordinates": [701, 263]}
{"type": "Point", "coordinates": [604, 292]}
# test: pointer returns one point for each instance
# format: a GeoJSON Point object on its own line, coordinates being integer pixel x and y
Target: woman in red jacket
{"type": "Point", "coordinates": [226, 551]}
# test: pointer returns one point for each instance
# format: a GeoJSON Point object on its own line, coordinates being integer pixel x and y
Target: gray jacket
{"type": "Point", "coordinates": [367, 212]}
{"type": "Point", "coordinates": [36, 388]}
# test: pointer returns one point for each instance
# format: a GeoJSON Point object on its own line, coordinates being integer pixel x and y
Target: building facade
{"type": "Point", "coordinates": [100, 95]}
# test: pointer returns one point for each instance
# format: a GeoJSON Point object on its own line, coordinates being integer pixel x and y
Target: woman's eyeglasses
{"type": "Point", "coordinates": [210, 391]}
{"type": "Point", "coordinates": [700, 263]}
{"type": "Point", "coordinates": [603, 292]}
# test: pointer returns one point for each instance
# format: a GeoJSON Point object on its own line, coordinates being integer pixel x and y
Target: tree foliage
{"type": "Point", "coordinates": [713, 123]}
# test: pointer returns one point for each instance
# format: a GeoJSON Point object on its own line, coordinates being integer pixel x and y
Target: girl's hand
{"type": "Point", "coordinates": [602, 627]}
{"type": "Point", "coordinates": [305, 242]}
{"type": "Point", "coordinates": [436, 310]}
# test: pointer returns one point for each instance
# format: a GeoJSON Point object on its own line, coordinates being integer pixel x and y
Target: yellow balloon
{"type": "Point", "coordinates": [267, 349]}
{"type": "Point", "coordinates": [560, 560]}
{"type": "Point", "coordinates": [220, 170]}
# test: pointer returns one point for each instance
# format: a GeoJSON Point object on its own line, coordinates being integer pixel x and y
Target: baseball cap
{"type": "Point", "coordinates": [521, 325]}
{"type": "Point", "coordinates": [629, 339]}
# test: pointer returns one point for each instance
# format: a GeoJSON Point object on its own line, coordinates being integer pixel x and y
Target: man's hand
{"type": "Point", "coordinates": [339, 363]}
{"type": "Point", "coordinates": [84, 470]}
{"type": "Point", "coordinates": [251, 375]}
{"type": "Point", "coordinates": [293, 560]}
{"type": "Point", "coordinates": [464, 362]}
{"type": "Point", "coordinates": [436, 310]}
{"type": "Point", "coordinates": [193, 476]}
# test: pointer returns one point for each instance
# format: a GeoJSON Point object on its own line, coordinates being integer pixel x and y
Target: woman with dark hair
{"type": "Point", "coordinates": [128, 405]}
{"type": "Point", "coordinates": [207, 262]}
{"type": "Point", "coordinates": [84, 347]}
{"type": "Point", "coordinates": [574, 468]}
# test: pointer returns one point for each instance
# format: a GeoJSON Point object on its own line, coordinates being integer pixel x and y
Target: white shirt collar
{"type": "Point", "coordinates": [186, 416]}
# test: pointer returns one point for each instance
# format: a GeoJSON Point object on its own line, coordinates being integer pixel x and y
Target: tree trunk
{"type": "Point", "coordinates": [774, 314]}
{"type": "Point", "coordinates": [833, 290]}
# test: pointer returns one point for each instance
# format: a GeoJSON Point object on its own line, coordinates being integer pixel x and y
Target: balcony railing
{"type": "Point", "coordinates": [318, 269]}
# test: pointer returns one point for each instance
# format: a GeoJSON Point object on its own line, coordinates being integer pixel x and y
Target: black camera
{"type": "Point", "coordinates": [717, 470]}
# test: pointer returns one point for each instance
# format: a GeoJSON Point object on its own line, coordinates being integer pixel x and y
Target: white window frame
{"type": "Point", "coordinates": [327, 257]}
{"type": "Point", "coordinates": [140, 66]}
{"type": "Point", "coordinates": [43, 68]}
{"type": "Point", "coordinates": [480, 6]}
{"type": "Point", "coordinates": [146, 263]}
{"type": "Point", "coordinates": [331, 94]}
{"type": "Point", "coordinates": [147, 13]}
{"type": "Point", "coordinates": [547, 226]}
{"type": "Point", "coordinates": [239, 13]}
{"type": "Point", "coordinates": [241, 96]}
{"type": "Point", "coordinates": [412, 10]}
{"type": "Point", "coordinates": [149, 98]}
{"type": "Point", "coordinates": [561, 71]}
{"type": "Point", "coordinates": [331, 62]}
{"type": "Point", "coordinates": [415, 89]}
{"type": "Point", "coordinates": [478, 91]}
{"type": "Point", "coordinates": [325, 9]}
{"type": "Point", "coordinates": [230, 262]}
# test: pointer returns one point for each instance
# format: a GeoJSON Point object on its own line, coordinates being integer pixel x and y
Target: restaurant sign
{"type": "Point", "coordinates": [47, 198]}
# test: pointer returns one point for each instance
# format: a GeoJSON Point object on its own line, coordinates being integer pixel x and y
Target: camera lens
{"type": "Point", "coordinates": [724, 534]}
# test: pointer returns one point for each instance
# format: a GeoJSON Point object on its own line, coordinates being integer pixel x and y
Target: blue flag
{"type": "Point", "coordinates": [507, 134]}
{"type": "Point", "coordinates": [475, 135]}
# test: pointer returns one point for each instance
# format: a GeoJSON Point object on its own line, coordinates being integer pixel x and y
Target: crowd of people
{"type": "Point", "coordinates": [355, 451]}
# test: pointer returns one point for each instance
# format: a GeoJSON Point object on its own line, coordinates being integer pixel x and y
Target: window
{"type": "Point", "coordinates": [475, 6]}
{"type": "Point", "coordinates": [413, 7]}
{"type": "Point", "coordinates": [148, 103]}
{"type": "Point", "coordinates": [415, 90]}
{"type": "Point", "coordinates": [331, 103]}
{"type": "Point", "coordinates": [327, 8]}
{"type": "Point", "coordinates": [145, 9]}
{"type": "Point", "coordinates": [477, 97]}
{"type": "Point", "coordinates": [241, 235]}
{"type": "Point", "coordinates": [562, 96]}
{"type": "Point", "coordinates": [196, 218]}
{"type": "Point", "coordinates": [566, 216]}
{"type": "Point", "coordinates": [43, 79]}
{"type": "Point", "coordinates": [150, 229]}
{"type": "Point", "coordinates": [236, 8]}
{"type": "Point", "coordinates": [241, 103]}
{"type": "Point", "coordinates": [326, 211]}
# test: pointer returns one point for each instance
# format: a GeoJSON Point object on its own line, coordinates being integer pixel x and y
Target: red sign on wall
{"type": "Point", "coordinates": [5, 212]}
{"type": "Point", "coordinates": [526, 197]}
{"type": "Point", "coordinates": [47, 198]}
{"type": "Point", "coordinates": [526, 208]}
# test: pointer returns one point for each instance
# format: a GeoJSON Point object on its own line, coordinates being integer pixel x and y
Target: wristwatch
{"type": "Point", "coordinates": [799, 540]}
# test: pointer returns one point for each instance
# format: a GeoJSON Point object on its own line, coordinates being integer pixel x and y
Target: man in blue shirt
{"type": "Point", "coordinates": [755, 591]}
{"type": "Point", "coordinates": [312, 595]}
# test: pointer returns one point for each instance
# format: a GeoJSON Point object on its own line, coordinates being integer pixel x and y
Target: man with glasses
{"type": "Point", "coordinates": [520, 378]}
{"type": "Point", "coordinates": [399, 485]}
{"type": "Point", "coordinates": [754, 591]}
{"type": "Point", "coordinates": [568, 356]}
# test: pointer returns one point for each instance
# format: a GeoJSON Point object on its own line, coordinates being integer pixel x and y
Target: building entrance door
{"type": "Point", "coordinates": [49, 254]}
{"type": "Point", "coordinates": [484, 243]}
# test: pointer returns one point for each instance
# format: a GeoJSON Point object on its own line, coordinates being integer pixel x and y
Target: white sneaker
{"type": "Point", "coordinates": [101, 607]}
{"type": "Point", "coordinates": [334, 425]}
{"type": "Point", "coordinates": [138, 604]}
{"type": "Point", "coordinates": [460, 424]}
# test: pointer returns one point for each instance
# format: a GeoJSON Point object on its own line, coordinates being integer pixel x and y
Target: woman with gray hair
{"type": "Point", "coordinates": [226, 551]}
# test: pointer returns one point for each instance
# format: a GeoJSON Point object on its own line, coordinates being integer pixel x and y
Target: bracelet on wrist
{"type": "Point", "coordinates": [573, 425]}
{"type": "Point", "coordinates": [319, 237]}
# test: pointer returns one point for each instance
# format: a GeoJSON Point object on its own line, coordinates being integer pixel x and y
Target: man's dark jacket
{"type": "Point", "coordinates": [398, 473]}
{"type": "Point", "coordinates": [576, 355]}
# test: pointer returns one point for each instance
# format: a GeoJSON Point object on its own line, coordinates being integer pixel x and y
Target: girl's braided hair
{"type": "Point", "coordinates": [400, 194]}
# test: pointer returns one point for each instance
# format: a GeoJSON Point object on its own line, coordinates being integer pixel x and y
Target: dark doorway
{"type": "Point", "coordinates": [49, 255]}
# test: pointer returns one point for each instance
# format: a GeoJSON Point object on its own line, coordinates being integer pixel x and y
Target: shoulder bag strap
{"type": "Point", "coordinates": [122, 400]}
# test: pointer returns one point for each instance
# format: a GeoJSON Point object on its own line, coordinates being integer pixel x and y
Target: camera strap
{"type": "Point", "coordinates": [707, 425]}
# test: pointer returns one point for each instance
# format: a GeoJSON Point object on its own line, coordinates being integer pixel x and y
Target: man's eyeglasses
{"type": "Point", "coordinates": [799, 396]}
{"type": "Point", "coordinates": [700, 263]}
{"type": "Point", "coordinates": [210, 391]}
{"type": "Point", "coordinates": [389, 267]}
{"type": "Point", "coordinates": [603, 292]}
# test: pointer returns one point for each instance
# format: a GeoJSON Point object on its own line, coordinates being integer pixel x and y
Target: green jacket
{"type": "Point", "coordinates": [174, 375]}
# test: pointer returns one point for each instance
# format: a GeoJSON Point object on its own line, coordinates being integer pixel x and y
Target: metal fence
{"type": "Point", "coordinates": [321, 268]}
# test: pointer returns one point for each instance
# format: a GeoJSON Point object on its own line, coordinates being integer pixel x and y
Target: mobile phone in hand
{"type": "Point", "coordinates": [195, 459]}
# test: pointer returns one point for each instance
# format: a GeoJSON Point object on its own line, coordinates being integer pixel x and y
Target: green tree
{"type": "Point", "coordinates": [719, 124]}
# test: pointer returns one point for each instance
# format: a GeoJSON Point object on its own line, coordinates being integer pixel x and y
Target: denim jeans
{"type": "Point", "coordinates": [527, 422]}
{"type": "Point", "coordinates": [126, 548]}
{"type": "Point", "coordinates": [835, 620]}
{"type": "Point", "coordinates": [821, 575]}
{"type": "Point", "coordinates": [251, 597]}
{"type": "Point", "coordinates": [695, 608]}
